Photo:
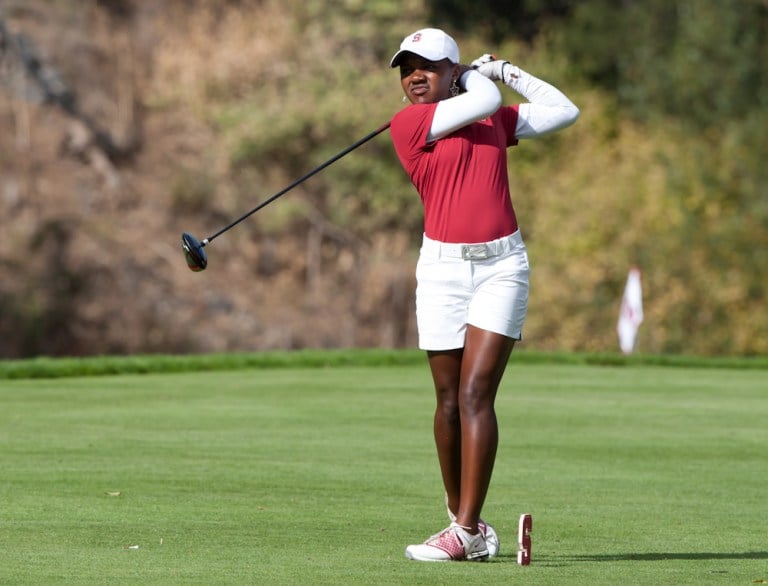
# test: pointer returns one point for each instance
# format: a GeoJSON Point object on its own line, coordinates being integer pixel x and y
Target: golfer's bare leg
{"type": "Point", "coordinates": [483, 362]}
{"type": "Point", "coordinates": [446, 373]}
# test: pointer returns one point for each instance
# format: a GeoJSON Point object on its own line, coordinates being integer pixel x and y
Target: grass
{"type": "Point", "coordinates": [634, 474]}
{"type": "Point", "coordinates": [46, 367]}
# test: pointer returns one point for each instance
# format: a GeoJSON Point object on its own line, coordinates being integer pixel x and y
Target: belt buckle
{"type": "Point", "coordinates": [474, 252]}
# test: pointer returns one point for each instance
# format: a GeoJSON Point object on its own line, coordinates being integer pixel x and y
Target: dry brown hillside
{"type": "Point", "coordinates": [99, 178]}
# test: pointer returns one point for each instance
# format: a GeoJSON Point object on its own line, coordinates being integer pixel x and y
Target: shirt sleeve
{"type": "Point", "coordinates": [548, 108]}
{"type": "Point", "coordinates": [409, 131]}
{"type": "Point", "coordinates": [510, 117]}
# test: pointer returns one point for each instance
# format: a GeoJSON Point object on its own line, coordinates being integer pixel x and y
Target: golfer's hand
{"type": "Point", "coordinates": [483, 60]}
{"type": "Point", "coordinates": [489, 66]}
{"type": "Point", "coordinates": [495, 69]}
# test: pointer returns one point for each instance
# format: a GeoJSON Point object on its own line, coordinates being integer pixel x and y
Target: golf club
{"type": "Point", "coordinates": [196, 258]}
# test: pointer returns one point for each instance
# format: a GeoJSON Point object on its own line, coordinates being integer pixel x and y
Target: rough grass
{"type": "Point", "coordinates": [634, 474]}
{"type": "Point", "coordinates": [46, 367]}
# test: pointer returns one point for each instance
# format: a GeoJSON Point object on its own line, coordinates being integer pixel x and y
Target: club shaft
{"type": "Point", "coordinates": [300, 180]}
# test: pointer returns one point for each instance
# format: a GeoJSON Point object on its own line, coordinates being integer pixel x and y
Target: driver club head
{"type": "Point", "coordinates": [193, 252]}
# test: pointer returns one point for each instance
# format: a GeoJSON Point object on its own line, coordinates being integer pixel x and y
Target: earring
{"type": "Point", "coordinates": [454, 89]}
{"type": "Point", "coordinates": [405, 99]}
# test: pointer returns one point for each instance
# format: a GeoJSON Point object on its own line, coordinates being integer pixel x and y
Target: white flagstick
{"type": "Point", "coordinates": [631, 313]}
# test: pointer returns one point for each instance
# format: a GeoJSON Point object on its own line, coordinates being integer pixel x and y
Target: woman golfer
{"type": "Point", "coordinates": [472, 273]}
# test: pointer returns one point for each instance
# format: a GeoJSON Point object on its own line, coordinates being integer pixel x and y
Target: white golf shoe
{"type": "Point", "coordinates": [451, 544]}
{"type": "Point", "coordinates": [491, 538]}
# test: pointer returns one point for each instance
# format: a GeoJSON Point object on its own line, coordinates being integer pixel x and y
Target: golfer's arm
{"type": "Point", "coordinates": [480, 99]}
{"type": "Point", "coordinates": [548, 109]}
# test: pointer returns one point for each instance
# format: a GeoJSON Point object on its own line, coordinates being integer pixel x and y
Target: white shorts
{"type": "Point", "coordinates": [485, 285]}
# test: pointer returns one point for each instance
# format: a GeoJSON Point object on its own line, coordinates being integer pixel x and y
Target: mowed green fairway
{"type": "Point", "coordinates": [633, 474]}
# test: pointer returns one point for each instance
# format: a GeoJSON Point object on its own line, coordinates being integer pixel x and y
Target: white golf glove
{"type": "Point", "coordinates": [495, 69]}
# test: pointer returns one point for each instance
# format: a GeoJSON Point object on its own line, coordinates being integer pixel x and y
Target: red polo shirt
{"type": "Point", "coordinates": [462, 179]}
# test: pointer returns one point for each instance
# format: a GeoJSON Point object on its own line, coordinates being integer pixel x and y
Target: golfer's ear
{"type": "Point", "coordinates": [458, 71]}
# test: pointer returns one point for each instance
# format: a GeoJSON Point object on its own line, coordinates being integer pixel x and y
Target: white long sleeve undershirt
{"type": "Point", "coordinates": [481, 99]}
{"type": "Point", "coordinates": [548, 108]}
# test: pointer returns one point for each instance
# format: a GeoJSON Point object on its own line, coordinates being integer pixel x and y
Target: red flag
{"type": "Point", "coordinates": [631, 313]}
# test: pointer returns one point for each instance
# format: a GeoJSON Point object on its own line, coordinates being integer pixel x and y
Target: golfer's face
{"type": "Point", "coordinates": [426, 81]}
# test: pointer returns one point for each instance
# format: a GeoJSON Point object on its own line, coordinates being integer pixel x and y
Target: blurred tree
{"type": "Point", "coordinates": [696, 70]}
{"type": "Point", "coordinates": [496, 20]}
{"type": "Point", "coordinates": [702, 61]}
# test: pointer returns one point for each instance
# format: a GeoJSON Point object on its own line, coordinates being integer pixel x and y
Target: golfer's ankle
{"type": "Point", "coordinates": [472, 529]}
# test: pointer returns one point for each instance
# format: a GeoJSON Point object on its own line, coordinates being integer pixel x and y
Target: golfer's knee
{"type": "Point", "coordinates": [448, 410]}
{"type": "Point", "coordinates": [476, 400]}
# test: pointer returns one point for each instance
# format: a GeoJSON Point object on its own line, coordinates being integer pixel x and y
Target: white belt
{"type": "Point", "coordinates": [477, 251]}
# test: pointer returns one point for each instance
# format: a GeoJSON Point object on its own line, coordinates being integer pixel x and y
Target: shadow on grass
{"type": "Point", "coordinates": [660, 556]}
